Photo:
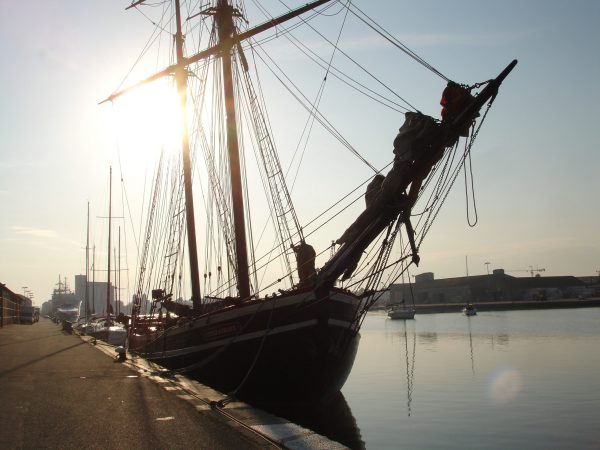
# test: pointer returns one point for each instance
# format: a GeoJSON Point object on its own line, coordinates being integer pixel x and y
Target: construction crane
{"type": "Point", "coordinates": [531, 270]}
{"type": "Point", "coordinates": [538, 270]}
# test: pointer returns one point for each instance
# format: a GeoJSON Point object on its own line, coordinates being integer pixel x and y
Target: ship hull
{"type": "Point", "coordinates": [289, 348]}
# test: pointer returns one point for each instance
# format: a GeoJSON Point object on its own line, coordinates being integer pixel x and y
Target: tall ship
{"type": "Point", "coordinates": [246, 296]}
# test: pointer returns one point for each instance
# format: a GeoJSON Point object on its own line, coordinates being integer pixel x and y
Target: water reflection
{"type": "Point", "coordinates": [471, 345]}
{"type": "Point", "coordinates": [515, 379]}
{"type": "Point", "coordinates": [427, 338]}
{"type": "Point", "coordinates": [502, 339]}
{"type": "Point", "coordinates": [333, 420]}
{"type": "Point", "coordinates": [407, 345]}
{"type": "Point", "coordinates": [410, 366]}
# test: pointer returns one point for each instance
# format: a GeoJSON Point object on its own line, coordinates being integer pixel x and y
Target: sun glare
{"type": "Point", "coordinates": [148, 120]}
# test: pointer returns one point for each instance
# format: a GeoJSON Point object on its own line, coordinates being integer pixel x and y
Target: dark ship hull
{"type": "Point", "coordinates": [290, 348]}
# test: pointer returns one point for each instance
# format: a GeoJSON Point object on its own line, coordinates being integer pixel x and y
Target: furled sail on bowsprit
{"type": "Point", "coordinates": [419, 145]}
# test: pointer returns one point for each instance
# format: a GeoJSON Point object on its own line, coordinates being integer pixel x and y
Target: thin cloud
{"type": "Point", "coordinates": [35, 232]}
{"type": "Point", "coordinates": [14, 164]}
{"type": "Point", "coordinates": [41, 238]}
{"type": "Point", "coordinates": [553, 244]}
{"type": "Point", "coordinates": [511, 250]}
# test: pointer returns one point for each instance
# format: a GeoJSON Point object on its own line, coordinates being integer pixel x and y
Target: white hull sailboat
{"type": "Point", "coordinates": [401, 312]}
{"type": "Point", "coordinates": [106, 328]}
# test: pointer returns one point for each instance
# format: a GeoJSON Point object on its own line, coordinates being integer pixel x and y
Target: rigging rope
{"type": "Point", "coordinates": [471, 224]}
{"type": "Point", "coordinates": [153, 37]}
{"type": "Point", "coordinates": [339, 74]}
{"type": "Point", "coordinates": [319, 117]}
{"type": "Point", "coordinates": [391, 39]}
{"type": "Point", "coordinates": [451, 178]}
{"type": "Point", "coordinates": [311, 117]}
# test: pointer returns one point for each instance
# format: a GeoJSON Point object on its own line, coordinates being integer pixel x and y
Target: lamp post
{"type": "Point", "coordinates": [24, 290]}
{"type": "Point", "coordinates": [487, 265]}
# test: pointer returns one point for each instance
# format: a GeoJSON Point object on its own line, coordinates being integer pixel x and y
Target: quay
{"type": "Point", "coordinates": [62, 391]}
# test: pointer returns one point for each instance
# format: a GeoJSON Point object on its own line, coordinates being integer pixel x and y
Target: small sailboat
{"type": "Point", "coordinates": [295, 336]}
{"type": "Point", "coordinates": [400, 311]}
{"type": "Point", "coordinates": [107, 328]}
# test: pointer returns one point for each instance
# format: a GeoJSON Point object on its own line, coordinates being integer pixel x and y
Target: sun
{"type": "Point", "coordinates": [148, 119]}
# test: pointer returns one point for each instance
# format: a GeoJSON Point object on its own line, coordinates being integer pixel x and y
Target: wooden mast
{"type": "Point", "coordinates": [224, 20]}
{"type": "Point", "coordinates": [181, 82]}
{"type": "Point", "coordinates": [215, 49]}
{"type": "Point", "coordinates": [228, 38]}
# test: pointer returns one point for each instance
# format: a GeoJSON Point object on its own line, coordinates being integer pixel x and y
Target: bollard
{"type": "Point", "coordinates": [121, 353]}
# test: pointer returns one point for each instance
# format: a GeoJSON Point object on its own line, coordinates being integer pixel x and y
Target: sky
{"type": "Point", "coordinates": [536, 163]}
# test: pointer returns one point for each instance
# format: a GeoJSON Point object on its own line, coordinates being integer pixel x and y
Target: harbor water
{"type": "Point", "coordinates": [498, 380]}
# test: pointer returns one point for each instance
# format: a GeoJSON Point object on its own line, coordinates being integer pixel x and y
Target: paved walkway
{"type": "Point", "coordinates": [58, 391]}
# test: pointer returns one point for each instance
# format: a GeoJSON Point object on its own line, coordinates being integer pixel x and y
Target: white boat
{"type": "Point", "coordinates": [400, 311]}
{"type": "Point", "coordinates": [106, 330]}
{"type": "Point", "coordinates": [67, 313]}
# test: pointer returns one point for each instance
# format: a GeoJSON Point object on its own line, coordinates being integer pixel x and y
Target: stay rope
{"type": "Point", "coordinates": [363, 17]}
{"type": "Point", "coordinates": [437, 203]}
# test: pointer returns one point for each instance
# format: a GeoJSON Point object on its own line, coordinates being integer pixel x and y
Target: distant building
{"type": "Point", "coordinates": [496, 287]}
{"type": "Point", "coordinates": [96, 294]}
{"type": "Point", "coordinates": [46, 309]}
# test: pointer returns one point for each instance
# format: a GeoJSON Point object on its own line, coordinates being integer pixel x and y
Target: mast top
{"type": "Point", "coordinates": [215, 49]}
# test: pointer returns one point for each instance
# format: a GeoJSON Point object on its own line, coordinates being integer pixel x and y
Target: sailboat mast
{"type": "Point", "coordinates": [118, 300]}
{"type": "Point", "coordinates": [116, 284]}
{"type": "Point", "coordinates": [181, 82]}
{"type": "Point", "coordinates": [87, 266]}
{"type": "Point", "coordinates": [224, 19]}
{"type": "Point", "coordinates": [109, 225]}
{"type": "Point", "coordinates": [94, 280]}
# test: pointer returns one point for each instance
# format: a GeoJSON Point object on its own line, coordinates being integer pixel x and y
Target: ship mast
{"type": "Point", "coordinates": [181, 82]}
{"type": "Point", "coordinates": [226, 30]}
{"type": "Point", "coordinates": [228, 39]}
